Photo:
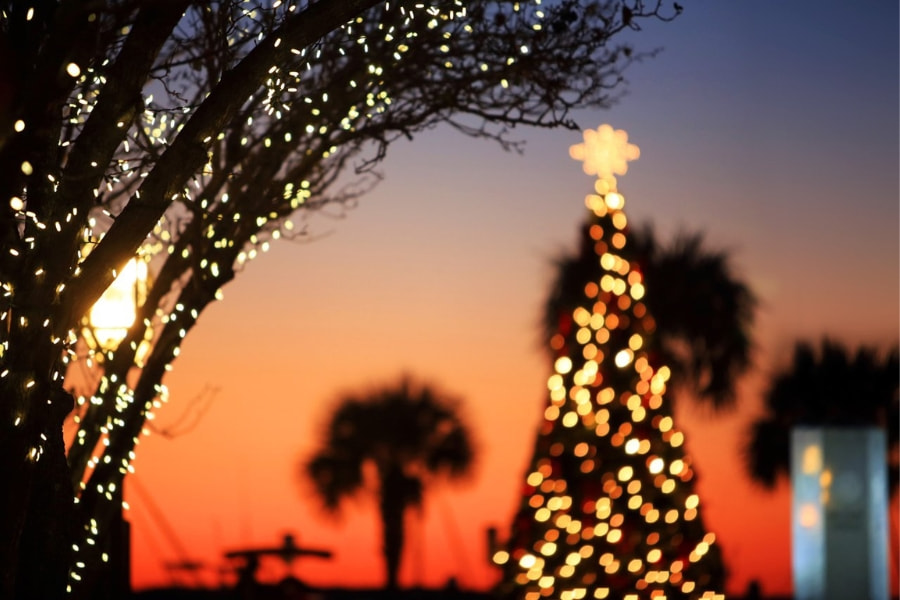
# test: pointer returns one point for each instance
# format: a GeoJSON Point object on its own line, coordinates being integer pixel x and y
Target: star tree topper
{"type": "Point", "coordinates": [605, 153]}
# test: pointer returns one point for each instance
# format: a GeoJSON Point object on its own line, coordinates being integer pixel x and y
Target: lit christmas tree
{"type": "Point", "coordinates": [609, 508]}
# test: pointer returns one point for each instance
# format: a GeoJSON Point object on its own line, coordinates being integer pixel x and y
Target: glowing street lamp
{"type": "Point", "coordinates": [115, 311]}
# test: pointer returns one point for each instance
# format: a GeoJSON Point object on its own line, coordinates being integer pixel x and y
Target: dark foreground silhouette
{"type": "Point", "coordinates": [292, 589]}
{"type": "Point", "coordinates": [283, 591]}
{"type": "Point", "coordinates": [411, 433]}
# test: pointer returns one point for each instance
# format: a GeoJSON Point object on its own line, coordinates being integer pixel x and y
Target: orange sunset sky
{"type": "Point", "coordinates": [772, 127]}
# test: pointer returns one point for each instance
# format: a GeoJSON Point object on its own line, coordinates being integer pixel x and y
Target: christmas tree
{"type": "Point", "coordinates": [608, 508]}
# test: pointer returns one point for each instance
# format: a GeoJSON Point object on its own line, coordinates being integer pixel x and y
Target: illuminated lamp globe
{"type": "Point", "coordinates": [115, 311]}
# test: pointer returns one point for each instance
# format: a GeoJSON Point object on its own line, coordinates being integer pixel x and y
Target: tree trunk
{"type": "Point", "coordinates": [36, 507]}
{"type": "Point", "coordinates": [393, 506]}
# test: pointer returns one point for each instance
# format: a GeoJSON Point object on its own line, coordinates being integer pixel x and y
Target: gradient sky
{"type": "Point", "coordinates": [771, 126]}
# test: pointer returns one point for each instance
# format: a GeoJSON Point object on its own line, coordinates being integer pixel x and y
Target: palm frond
{"type": "Point", "coordinates": [829, 386]}
{"type": "Point", "coordinates": [704, 312]}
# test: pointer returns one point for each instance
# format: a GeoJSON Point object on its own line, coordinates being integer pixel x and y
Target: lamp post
{"type": "Point", "coordinates": [106, 325]}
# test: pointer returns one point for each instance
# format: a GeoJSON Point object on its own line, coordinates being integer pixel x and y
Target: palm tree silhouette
{"type": "Point", "coordinates": [703, 312]}
{"type": "Point", "coordinates": [410, 433]}
{"type": "Point", "coordinates": [832, 387]}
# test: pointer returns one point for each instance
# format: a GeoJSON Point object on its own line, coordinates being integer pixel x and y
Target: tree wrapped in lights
{"type": "Point", "coordinates": [609, 508]}
{"type": "Point", "coordinates": [190, 131]}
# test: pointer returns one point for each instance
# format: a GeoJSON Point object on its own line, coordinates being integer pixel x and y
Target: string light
{"type": "Point", "coordinates": [312, 116]}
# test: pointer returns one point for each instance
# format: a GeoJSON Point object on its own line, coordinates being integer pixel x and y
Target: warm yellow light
{"type": "Point", "coordinates": [702, 548]}
{"type": "Point", "coordinates": [812, 459]}
{"type": "Point", "coordinates": [115, 311]}
{"type": "Point", "coordinates": [809, 515]}
{"type": "Point", "coordinates": [581, 316]}
{"type": "Point", "coordinates": [596, 204]}
{"type": "Point", "coordinates": [535, 478]}
{"type": "Point", "coordinates": [605, 153]}
{"type": "Point", "coordinates": [634, 401]}
{"type": "Point", "coordinates": [608, 261]}
{"type": "Point", "coordinates": [635, 342]}
{"type": "Point", "coordinates": [554, 382]}
{"type": "Point", "coordinates": [563, 364]}
{"type": "Point", "coordinates": [527, 561]}
{"type": "Point", "coordinates": [583, 335]}
{"type": "Point", "coordinates": [637, 291]}
{"type": "Point", "coordinates": [615, 201]}
{"type": "Point", "coordinates": [563, 521]}
{"type": "Point", "coordinates": [623, 357]}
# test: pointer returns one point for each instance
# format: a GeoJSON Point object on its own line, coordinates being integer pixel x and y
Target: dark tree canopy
{"type": "Point", "coordinates": [411, 433]}
{"type": "Point", "coordinates": [703, 311]}
{"type": "Point", "coordinates": [831, 386]}
{"type": "Point", "coordinates": [188, 132]}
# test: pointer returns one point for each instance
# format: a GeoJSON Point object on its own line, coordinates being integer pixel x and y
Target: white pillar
{"type": "Point", "coordinates": [839, 520]}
